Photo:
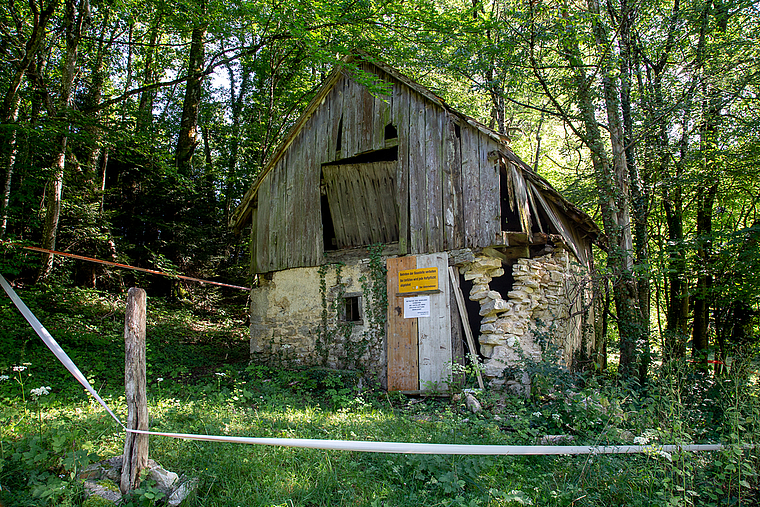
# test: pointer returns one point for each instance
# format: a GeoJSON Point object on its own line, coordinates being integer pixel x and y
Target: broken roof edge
{"type": "Point", "coordinates": [571, 210]}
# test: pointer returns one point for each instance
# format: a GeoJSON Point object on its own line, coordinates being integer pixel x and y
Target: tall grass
{"type": "Point", "coordinates": [207, 386]}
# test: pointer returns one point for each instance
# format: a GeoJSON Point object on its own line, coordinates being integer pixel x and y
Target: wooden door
{"type": "Point", "coordinates": [403, 372]}
{"type": "Point", "coordinates": [419, 349]}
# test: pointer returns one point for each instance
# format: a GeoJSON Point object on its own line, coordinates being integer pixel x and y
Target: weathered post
{"type": "Point", "coordinates": [135, 445]}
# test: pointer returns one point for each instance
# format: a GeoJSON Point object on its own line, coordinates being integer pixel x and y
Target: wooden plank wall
{"type": "Point", "coordinates": [447, 192]}
{"type": "Point", "coordinates": [401, 113]}
{"type": "Point", "coordinates": [361, 202]}
{"type": "Point", "coordinates": [402, 333]}
{"type": "Point", "coordinates": [435, 331]}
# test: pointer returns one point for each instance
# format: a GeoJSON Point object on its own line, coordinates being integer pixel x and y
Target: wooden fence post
{"type": "Point", "coordinates": [135, 445]}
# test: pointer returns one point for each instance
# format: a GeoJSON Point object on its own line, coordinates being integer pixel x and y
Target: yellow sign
{"type": "Point", "coordinates": [417, 280]}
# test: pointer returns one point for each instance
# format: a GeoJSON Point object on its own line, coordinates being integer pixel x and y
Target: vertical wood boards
{"type": "Point", "coordinates": [366, 118]}
{"type": "Point", "coordinates": [336, 113]}
{"type": "Point", "coordinates": [402, 333]}
{"type": "Point", "coordinates": [290, 222]}
{"type": "Point", "coordinates": [381, 118]}
{"type": "Point", "coordinates": [521, 199]}
{"type": "Point", "coordinates": [362, 202]}
{"type": "Point", "coordinates": [471, 185]}
{"type": "Point", "coordinates": [351, 119]}
{"type": "Point", "coordinates": [453, 219]}
{"type": "Point", "coordinates": [275, 210]}
{"type": "Point", "coordinates": [435, 331]}
{"type": "Point", "coordinates": [367, 204]}
{"type": "Point", "coordinates": [490, 223]}
{"type": "Point", "coordinates": [254, 241]}
{"type": "Point", "coordinates": [385, 172]}
{"type": "Point", "coordinates": [308, 210]}
{"type": "Point", "coordinates": [433, 173]}
{"type": "Point", "coordinates": [417, 177]}
{"type": "Point", "coordinates": [262, 229]}
{"type": "Point", "coordinates": [400, 116]}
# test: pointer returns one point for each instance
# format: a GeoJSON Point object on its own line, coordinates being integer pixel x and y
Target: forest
{"type": "Point", "coordinates": [130, 131]}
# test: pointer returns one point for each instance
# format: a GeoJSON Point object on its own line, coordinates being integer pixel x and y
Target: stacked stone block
{"type": "Point", "coordinates": [507, 330]}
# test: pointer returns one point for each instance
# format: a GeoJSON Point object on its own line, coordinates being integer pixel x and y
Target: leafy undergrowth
{"type": "Point", "coordinates": [200, 382]}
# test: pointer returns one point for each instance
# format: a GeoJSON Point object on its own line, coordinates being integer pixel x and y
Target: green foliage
{"type": "Point", "coordinates": [145, 495]}
{"type": "Point", "coordinates": [43, 441]}
{"type": "Point", "coordinates": [335, 328]}
{"type": "Point", "coordinates": [375, 288]}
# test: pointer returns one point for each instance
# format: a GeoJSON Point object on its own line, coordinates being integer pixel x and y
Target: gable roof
{"type": "Point", "coordinates": [242, 213]}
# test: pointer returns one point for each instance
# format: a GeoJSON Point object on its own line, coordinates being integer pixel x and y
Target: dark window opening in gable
{"type": "Point", "coordinates": [386, 155]}
{"type": "Point", "coordinates": [352, 308]}
{"type": "Point", "coordinates": [328, 229]}
{"type": "Point", "coordinates": [340, 135]}
{"type": "Point", "coordinates": [391, 132]}
{"type": "Point", "coordinates": [457, 131]}
{"type": "Point", "coordinates": [510, 219]}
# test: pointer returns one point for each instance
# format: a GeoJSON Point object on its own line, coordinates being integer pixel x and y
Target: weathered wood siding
{"type": "Point", "coordinates": [446, 189]}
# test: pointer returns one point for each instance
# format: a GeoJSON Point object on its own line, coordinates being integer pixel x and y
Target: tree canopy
{"type": "Point", "coordinates": [131, 130]}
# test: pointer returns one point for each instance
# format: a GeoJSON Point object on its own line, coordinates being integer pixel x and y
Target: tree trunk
{"type": "Point", "coordinates": [188, 132]}
{"type": "Point", "coordinates": [711, 112]}
{"type": "Point", "coordinates": [74, 20]}
{"type": "Point", "coordinates": [613, 180]}
{"type": "Point", "coordinates": [9, 112]}
{"type": "Point", "coordinates": [638, 187]}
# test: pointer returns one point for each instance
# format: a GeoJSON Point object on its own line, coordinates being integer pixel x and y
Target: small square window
{"type": "Point", "coordinates": [352, 309]}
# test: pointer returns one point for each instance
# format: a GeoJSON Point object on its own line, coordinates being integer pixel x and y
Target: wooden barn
{"type": "Point", "coordinates": [446, 203]}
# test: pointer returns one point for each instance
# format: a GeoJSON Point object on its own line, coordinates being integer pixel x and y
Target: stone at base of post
{"type": "Point", "coordinates": [135, 445]}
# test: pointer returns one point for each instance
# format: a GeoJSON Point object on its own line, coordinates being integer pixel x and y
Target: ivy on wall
{"type": "Point", "coordinates": [335, 329]}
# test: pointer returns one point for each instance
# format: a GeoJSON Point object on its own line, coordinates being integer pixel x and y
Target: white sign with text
{"type": "Point", "coordinates": [415, 307]}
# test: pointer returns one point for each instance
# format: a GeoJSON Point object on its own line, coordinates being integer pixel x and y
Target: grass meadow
{"type": "Point", "coordinates": [200, 381]}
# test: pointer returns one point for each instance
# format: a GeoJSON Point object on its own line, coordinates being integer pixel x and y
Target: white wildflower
{"type": "Point", "coordinates": [19, 368]}
{"type": "Point", "coordinates": [221, 374]}
{"type": "Point", "coordinates": [556, 417]}
{"type": "Point", "coordinates": [4, 377]}
{"type": "Point", "coordinates": [537, 414]}
{"type": "Point", "coordinates": [41, 391]}
{"type": "Point", "coordinates": [641, 440]}
{"type": "Point", "coordinates": [160, 379]}
{"type": "Point", "coordinates": [665, 455]}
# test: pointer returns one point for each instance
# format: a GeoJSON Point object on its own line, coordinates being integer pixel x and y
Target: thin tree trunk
{"type": "Point", "coordinates": [638, 187]}
{"type": "Point", "coordinates": [706, 195]}
{"type": "Point", "coordinates": [615, 178]}
{"type": "Point", "coordinates": [188, 133]}
{"type": "Point", "coordinates": [9, 112]}
{"type": "Point", "coordinates": [74, 23]}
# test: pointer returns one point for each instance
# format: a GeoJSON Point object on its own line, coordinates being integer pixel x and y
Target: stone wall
{"type": "Point", "coordinates": [288, 323]}
{"type": "Point", "coordinates": [549, 299]}
{"type": "Point", "coordinates": [296, 314]}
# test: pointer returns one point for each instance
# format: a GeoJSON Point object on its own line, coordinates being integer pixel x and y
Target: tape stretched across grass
{"type": "Point", "coordinates": [351, 445]}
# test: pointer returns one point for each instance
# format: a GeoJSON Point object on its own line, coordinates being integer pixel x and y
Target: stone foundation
{"type": "Point", "coordinates": [547, 300]}
{"type": "Point", "coordinates": [289, 313]}
{"type": "Point", "coordinates": [297, 320]}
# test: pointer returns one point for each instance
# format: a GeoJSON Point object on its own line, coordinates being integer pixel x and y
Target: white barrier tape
{"type": "Point", "coordinates": [355, 445]}
{"type": "Point", "coordinates": [53, 345]}
{"type": "Point", "coordinates": [413, 448]}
